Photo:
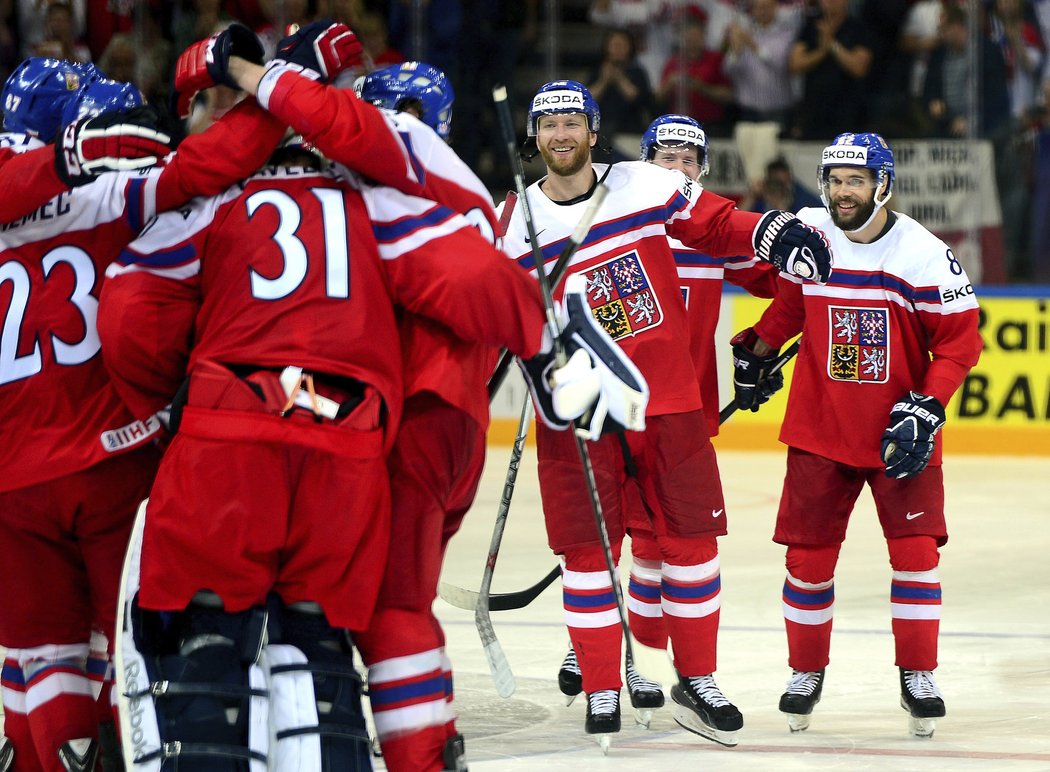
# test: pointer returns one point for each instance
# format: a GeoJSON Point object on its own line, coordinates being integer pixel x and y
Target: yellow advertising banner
{"type": "Point", "coordinates": [1003, 407]}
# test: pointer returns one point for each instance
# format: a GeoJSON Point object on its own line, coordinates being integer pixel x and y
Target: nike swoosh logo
{"type": "Point", "coordinates": [913, 515]}
{"type": "Point", "coordinates": [529, 241]}
{"type": "Point", "coordinates": [717, 512]}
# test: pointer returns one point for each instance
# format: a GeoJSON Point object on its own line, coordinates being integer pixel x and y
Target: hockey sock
{"type": "Point", "coordinates": [691, 598]}
{"type": "Point", "coordinates": [809, 605]}
{"type": "Point", "coordinates": [915, 601]}
{"type": "Point", "coordinates": [412, 709]}
{"type": "Point", "coordinates": [592, 617]}
{"type": "Point", "coordinates": [644, 610]}
{"type": "Point", "coordinates": [16, 722]}
{"type": "Point", "coordinates": [60, 701]}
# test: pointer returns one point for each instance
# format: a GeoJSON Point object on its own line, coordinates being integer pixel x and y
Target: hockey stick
{"type": "Point", "coordinates": [499, 95]}
{"type": "Point", "coordinates": [498, 665]}
{"type": "Point", "coordinates": [557, 273]}
{"type": "Point", "coordinates": [779, 363]}
{"type": "Point", "coordinates": [460, 597]}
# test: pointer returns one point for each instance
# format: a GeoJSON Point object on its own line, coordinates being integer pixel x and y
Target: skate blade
{"type": "Point", "coordinates": [797, 722]}
{"type": "Point", "coordinates": [604, 741]}
{"type": "Point", "coordinates": [568, 699]}
{"type": "Point", "coordinates": [922, 727]}
{"type": "Point", "coordinates": [688, 720]}
{"type": "Point", "coordinates": [643, 717]}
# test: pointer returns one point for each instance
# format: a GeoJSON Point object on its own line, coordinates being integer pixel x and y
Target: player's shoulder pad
{"type": "Point", "coordinates": [662, 184]}
{"type": "Point", "coordinates": [925, 260]}
{"type": "Point", "coordinates": [817, 216]}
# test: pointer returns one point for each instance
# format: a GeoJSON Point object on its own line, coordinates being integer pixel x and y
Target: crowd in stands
{"type": "Point", "coordinates": [812, 68]}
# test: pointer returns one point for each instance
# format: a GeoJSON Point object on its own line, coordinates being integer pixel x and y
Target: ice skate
{"type": "Point", "coordinates": [802, 693]}
{"type": "Point", "coordinates": [7, 754]}
{"type": "Point", "coordinates": [570, 679]}
{"type": "Point", "coordinates": [703, 709]}
{"type": "Point", "coordinates": [603, 716]}
{"type": "Point", "coordinates": [646, 696]}
{"type": "Point", "coordinates": [922, 699]}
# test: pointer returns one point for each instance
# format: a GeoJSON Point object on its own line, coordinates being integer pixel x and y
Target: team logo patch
{"type": "Point", "coordinates": [859, 344]}
{"type": "Point", "coordinates": [621, 297]}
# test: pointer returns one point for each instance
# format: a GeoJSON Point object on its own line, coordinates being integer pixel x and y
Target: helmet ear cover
{"type": "Point", "coordinates": [562, 97]}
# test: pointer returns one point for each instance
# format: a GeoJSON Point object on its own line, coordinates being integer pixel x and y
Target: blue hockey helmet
{"type": "Point", "coordinates": [675, 130]}
{"type": "Point", "coordinates": [38, 91]}
{"type": "Point", "coordinates": [393, 86]}
{"type": "Point", "coordinates": [868, 150]}
{"type": "Point", "coordinates": [100, 96]}
{"type": "Point", "coordinates": [563, 96]}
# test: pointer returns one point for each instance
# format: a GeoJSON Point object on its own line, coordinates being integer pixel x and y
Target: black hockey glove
{"type": "Point", "coordinates": [206, 63]}
{"type": "Point", "coordinates": [599, 388]}
{"type": "Point", "coordinates": [114, 141]}
{"type": "Point", "coordinates": [753, 383]}
{"type": "Point", "coordinates": [785, 241]}
{"type": "Point", "coordinates": [320, 50]}
{"type": "Point", "coordinates": [908, 442]}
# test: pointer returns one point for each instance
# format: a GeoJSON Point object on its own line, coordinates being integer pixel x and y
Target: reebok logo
{"type": "Point", "coordinates": [913, 515]}
{"type": "Point", "coordinates": [717, 512]}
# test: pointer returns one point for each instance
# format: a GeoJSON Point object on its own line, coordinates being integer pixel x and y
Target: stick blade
{"type": "Point", "coordinates": [500, 668]}
{"type": "Point", "coordinates": [459, 597]}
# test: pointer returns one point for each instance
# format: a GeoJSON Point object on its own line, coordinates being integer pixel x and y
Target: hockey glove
{"type": "Point", "coordinates": [753, 383]}
{"type": "Point", "coordinates": [908, 442]}
{"type": "Point", "coordinates": [115, 141]}
{"type": "Point", "coordinates": [786, 242]}
{"type": "Point", "coordinates": [320, 50]}
{"type": "Point", "coordinates": [598, 387]}
{"type": "Point", "coordinates": [207, 63]}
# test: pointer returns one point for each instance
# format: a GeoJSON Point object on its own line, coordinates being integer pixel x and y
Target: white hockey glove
{"type": "Point", "coordinates": [598, 388]}
{"type": "Point", "coordinates": [786, 242]}
{"type": "Point", "coordinates": [908, 442]}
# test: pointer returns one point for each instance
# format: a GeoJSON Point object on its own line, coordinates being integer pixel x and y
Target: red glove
{"type": "Point", "coordinates": [320, 50]}
{"type": "Point", "coordinates": [207, 63]}
{"type": "Point", "coordinates": [109, 142]}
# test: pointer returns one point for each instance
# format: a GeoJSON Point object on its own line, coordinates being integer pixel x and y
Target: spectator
{"type": "Point", "coordinates": [651, 22]}
{"type": "Point", "coordinates": [919, 36]}
{"type": "Point", "coordinates": [834, 55]}
{"type": "Point", "coordinates": [439, 41]}
{"type": "Point", "coordinates": [278, 15]}
{"type": "Point", "coordinates": [32, 22]}
{"type": "Point", "coordinates": [8, 39]}
{"type": "Point", "coordinates": [197, 21]}
{"type": "Point", "coordinates": [59, 40]}
{"type": "Point", "coordinates": [121, 61]}
{"type": "Point", "coordinates": [757, 62]}
{"type": "Point", "coordinates": [621, 86]}
{"type": "Point", "coordinates": [693, 82]}
{"type": "Point", "coordinates": [1023, 49]}
{"type": "Point", "coordinates": [778, 190]}
{"type": "Point", "coordinates": [948, 92]}
{"type": "Point", "coordinates": [372, 32]}
{"type": "Point", "coordinates": [886, 88]}
{"type": "Point", "coordinates": [1040, 232]}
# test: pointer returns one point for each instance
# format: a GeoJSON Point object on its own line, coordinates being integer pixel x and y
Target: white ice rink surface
{"type": "Point", "coordinates": [994, 652]}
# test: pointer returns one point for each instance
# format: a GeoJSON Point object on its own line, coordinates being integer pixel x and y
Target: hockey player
{"type": "Point", "coordinates": [278, 300]}
{"type": "Point", "coordinates": [634, 291]}
{"type": "Point", "coordinates": [885, 345]}
{"type": "Point", "coordinates": [74, 480]}
{"type": "Point", "coordinates": [676, 142]}
{"type": "Point", "coordinates": [446, 404]}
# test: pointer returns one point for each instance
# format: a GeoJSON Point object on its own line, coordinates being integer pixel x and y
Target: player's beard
{"type": "Point", "coordinates": [566, 165]}
{"type": "Point", "coordinates": [855, 220]}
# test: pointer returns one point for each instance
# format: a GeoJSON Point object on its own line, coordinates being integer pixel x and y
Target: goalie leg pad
{"type": "Point", "coordinates": [189, 691]}
{"type": "Point", "coordinates": [316, 717]}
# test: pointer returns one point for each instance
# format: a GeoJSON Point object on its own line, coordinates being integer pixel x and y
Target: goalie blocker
{"type": "Point", "coordinates": [202, 689]}
{"type": "Point", "coordinates": [598, 387]}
